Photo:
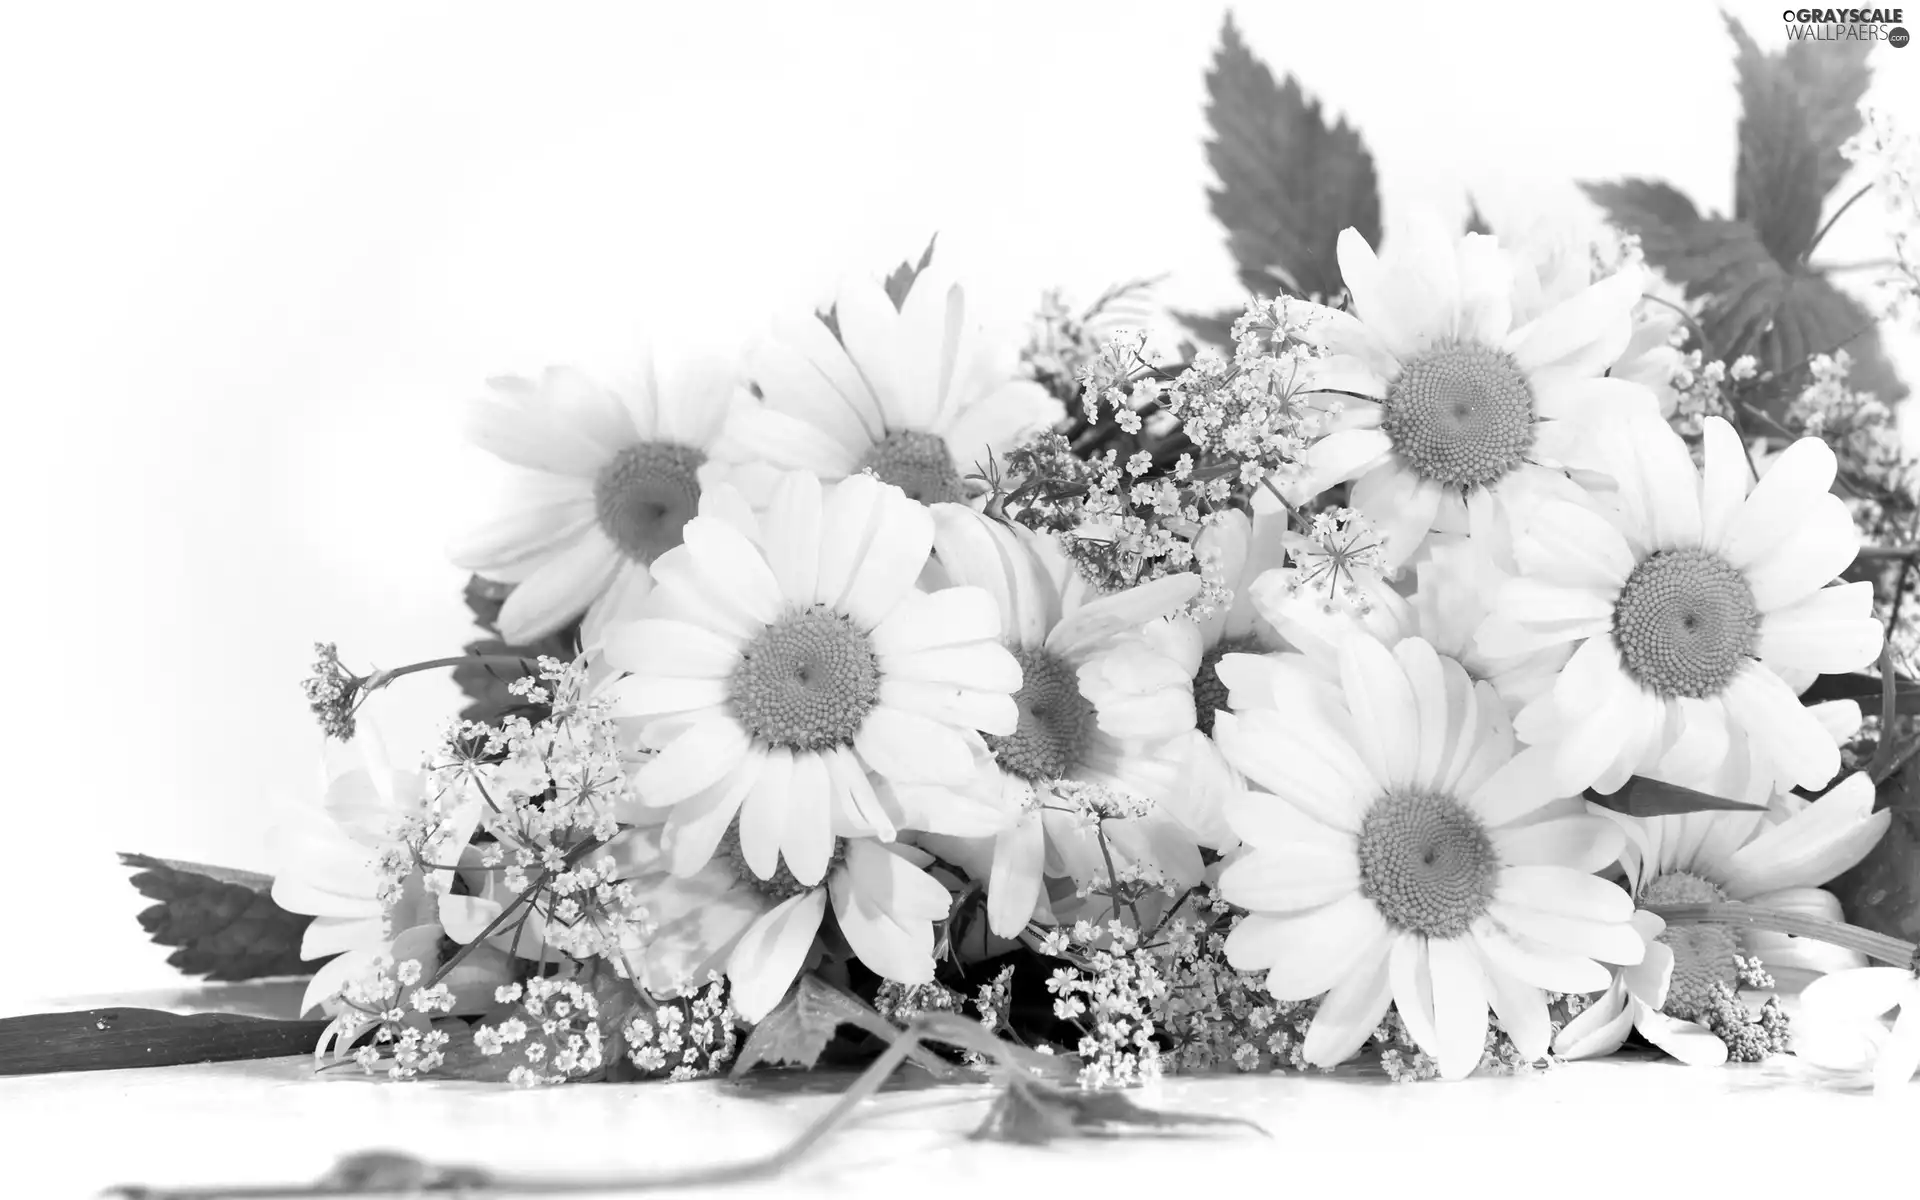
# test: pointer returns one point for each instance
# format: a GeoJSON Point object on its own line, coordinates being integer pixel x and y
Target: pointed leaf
{"type": "Point", "coordinates": [224, 921]}
{"type": "Point", "coordinates": [798, 1030]}
{"type": "Point", "coordinates": [485, 685]}
{"type": "Point", "coordinates": [1643, 797]}
{"type": "Point", "coordinates": [1034, 1113]}
{"type": "Point", "coordinates": [1289, 181]}
{"type": "Point", "coordinates": [1797, 107]}
{"type": "Point", "coordinates": [901, 281]}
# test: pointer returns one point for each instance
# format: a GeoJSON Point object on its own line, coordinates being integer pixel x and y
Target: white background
{"type": "Point", "coordinates": [252, 256]}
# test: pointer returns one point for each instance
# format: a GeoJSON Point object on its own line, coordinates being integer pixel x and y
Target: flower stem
{"type": "Point", "coordinates": [380, 679]}
{"type": "Point", "coordinates": [1874, 945]}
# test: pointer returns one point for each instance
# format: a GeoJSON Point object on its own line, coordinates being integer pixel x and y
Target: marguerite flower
{"type": "Point", "coordinates": [884, 904]}
{"type": "Point", "coordinates": [1699, 607]}
{"type": "Point", "coordinates": [1633, 1003]}
{"type": "Point", "coordinates": [345, 864]}
{"type": "Point", "coordinates": [918, 396]}
{"type": "Point", "coordinates": [1855, 1002]}
{"type": "Point", "coordinates": [1471, 412]}
{"type": "Point", "coordinates": [1162, 687]}
{"type": "Point", "coordinates": [1040, 783]}
{"type": "Point", "coordinates": [1403, 854]}
{"type": "Point", "coordinates": [784, 657]}
{"type": "Point", "coordinates": [601, 483]}
{"type": "Point", "coordinates": [1774, 858]}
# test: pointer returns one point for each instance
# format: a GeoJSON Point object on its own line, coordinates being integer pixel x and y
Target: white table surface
{"type": "Point", "coordinates": [1615, 1127]}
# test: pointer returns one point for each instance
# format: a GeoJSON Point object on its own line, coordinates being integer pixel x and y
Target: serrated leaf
{"type": "Point", "coordinates": [797, 1031]}
{"type": "Point", "coordinates": [1289, 182]}
{"type": "Point", "coordinates": [485, 685]}
{"type": "Point", "coordinates": [1753, 305]}
{"type": "Point", "coordinates": [1643, 797]}
{"type": "Point", "coordinates": [1211, 329]}
{"type": "Point", "coordinates": [224, 922]}
{"type": "Point", "coordinates": [900, 282]}
{"type": "Point", "coordinates": [1033, 1113]}
{"type": "Point", "coordinates": [1797, 107]}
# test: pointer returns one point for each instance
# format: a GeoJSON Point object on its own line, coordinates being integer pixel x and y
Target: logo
{"type": "Point", "coordinates": [1846, 25]}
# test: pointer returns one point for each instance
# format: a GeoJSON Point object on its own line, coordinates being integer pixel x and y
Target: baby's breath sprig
{"type": "Point", "coordinates": [335, 694]}
{"type": "Point", "coordinates": [1158, 451]}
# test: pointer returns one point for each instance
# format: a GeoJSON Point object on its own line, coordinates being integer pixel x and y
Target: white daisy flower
{"type": "Point", "coordinates": [328, 864]}
{"type": "Point", "coordinates": [1401, 853]}
{"type": "Point", "coordinates": [1851, 1005]}
{"type": "Point", "coordinates": [784, 657]}
{"type": "Point", "coordinates": [1699, 606]}
{"type": "Point", "coordinates": [1775, 857]}
{"type": "Point", "coordinates": [920, 396]}
{"type": "Point", "coordinates": [884, 904]}
{"type": "Point", "coordinates": [1633, 1003]}
{"type": "Point", "coordinates": [601, 481]}
{"type": "Point", "coordinates": [1028, 803]}
{"type": "Point", "coordinates": [1161, 686]}
{"type": "Point", "coordinates": [1471, 412]}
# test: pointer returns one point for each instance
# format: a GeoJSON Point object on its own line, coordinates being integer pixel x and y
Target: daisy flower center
{"type": "Point", "coordinates": [1685, 623]}
{"type": "Point", "coordinates": [1427, 863]}
{"type": "Point", "coordinates": [646, 495]}
{"type": "Point", "coordinates": [1209, 693]}
{"type": "Point", "coordinates": [782, 886]}
{"type": "Point", "coordinates": [919, 464]}
{"type": "Point", "coordinates": [1460, 415]}
{"type": "Point", "coordinates": [1702, 954]}
{"type": "Point", "coordinates": [807, 681]}
{"type": "Point", "coordinates": [1054, 719]}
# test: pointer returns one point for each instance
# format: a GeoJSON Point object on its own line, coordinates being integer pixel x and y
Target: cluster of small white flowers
{"type": "Point", "coordinates": [1341, 556]}
{"type": "Point", "coordinates": [1111, 993]}
{"type": "Point", "coordinates": [1257, 410]}
{"type": "Point", "coordinates": [556, 1031]}
{"type": "Point", "coordinates": [685, 1037]}
{"type": "Point", "coordinates": [390, 1001]}
{"type": "Point", "coordinates": [1703, 390]}
{"type": "Point", "coordinates": [1093, 803]}
{"type": "Point", "coordinates": [1892, 154]}
{"type": "Point", "coordinates": [550, 789]}
{"type": "Point", "coordinates": [1864, 435]}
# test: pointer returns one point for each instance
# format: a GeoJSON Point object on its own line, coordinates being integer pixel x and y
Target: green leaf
{"type": "Point", "coordinates": [1643, 797]}
{"type": "Point", "coordinates": [1476, 221]}
{"type": "Point", "coordinates": [109, 1039]}
{"type": "Point", "coordinates": [1882, 891]}
{"type": "Point", "coordinates": [1754, 305]}
{"type": "Point", "coordinates": [1211, 329]}
{"type": "Point", "coordinates": [1034, 1113]}
{"type": "Point", "coordinates": [1797, 107]}
{"type": "Point", "coordinates": [798, 1030]}
{"type": "Point", "coordinates": [224, 922]}
{"type": "Point", "coordinates": [1289, 182]}
{"type": "Point", "coordinates": [898, 283]}
{"type": "Point", "coordinates": [901, 281]}
{"type": "Point", "coordinates": [484, 685]}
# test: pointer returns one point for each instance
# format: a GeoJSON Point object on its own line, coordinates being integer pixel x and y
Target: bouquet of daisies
{"type": "Point", "coordinates": [1474, 653]}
